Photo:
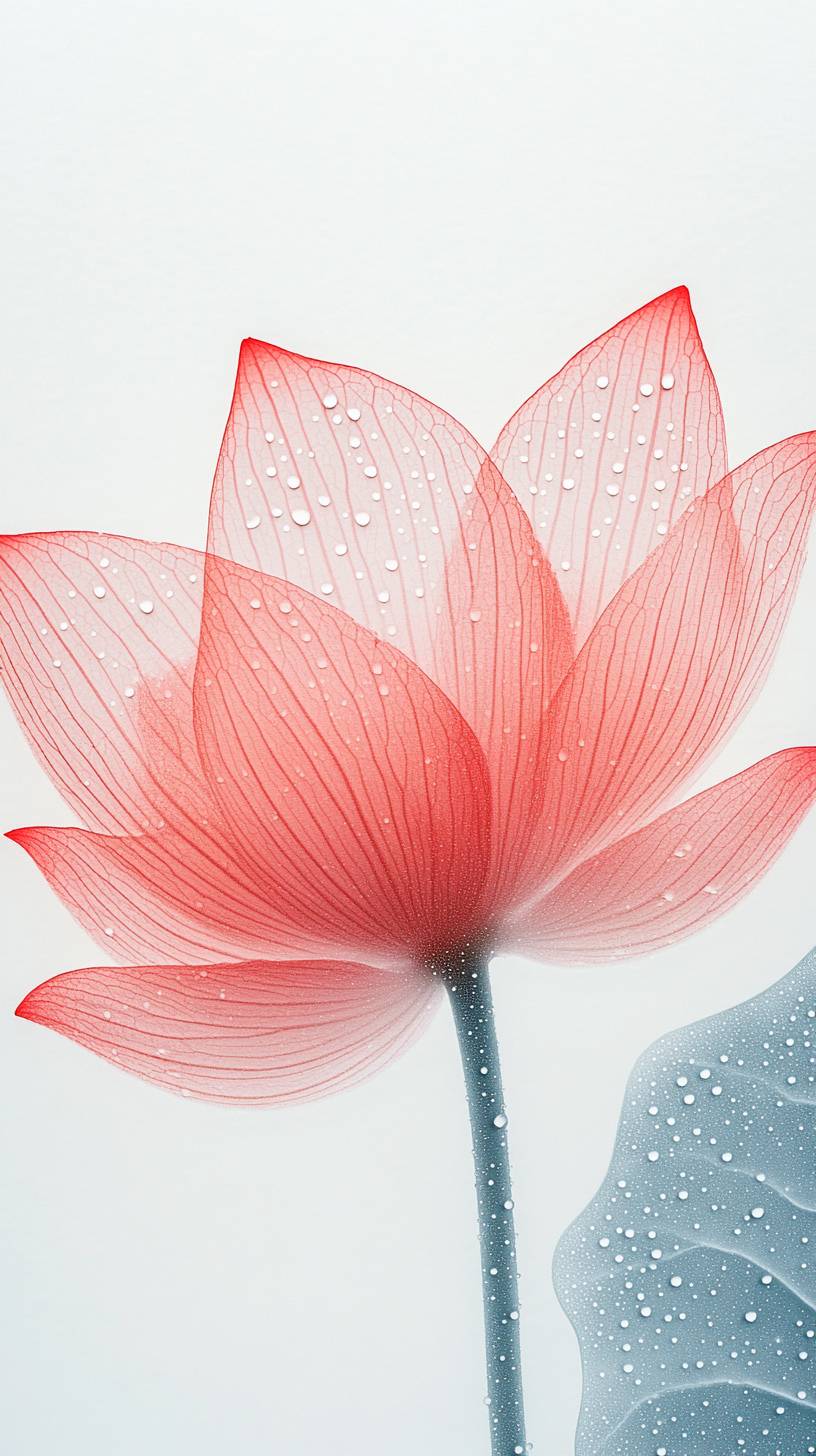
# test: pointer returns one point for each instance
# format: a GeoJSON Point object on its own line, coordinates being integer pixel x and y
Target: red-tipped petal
{"type": "Point", "coordinates": [676, 656]}
{"type": "Point", "coordinates": [97, 648]}
{"type": "Point", "coordinates": [357, 791]}
{"type": "Point", "coordinates": [613, 446]}
{"type": "Point", "coordinates": [256, 1033]}
{"type": "Point", "coordinates": [181, 894]}
{"type": "Point", "coordinates": [347, 484]}
{"type": "Point", "coordinates": [677, 874]}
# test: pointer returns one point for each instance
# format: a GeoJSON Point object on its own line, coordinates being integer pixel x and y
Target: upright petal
{"type": "Point", "coordinates": [610, 450]}
{"type": "Point", "coordinates": [675, 657]}
{"type": "Point", "coordinates": [358, 792]}
{"type": "Point", "coordinates": [97, 649]}
{"type": "Point", "coordinates": [352, 487]}
{"type": "Point", "coordinates": [256, 1033]}
{"type": "Point", "coordinates": [677, 874]}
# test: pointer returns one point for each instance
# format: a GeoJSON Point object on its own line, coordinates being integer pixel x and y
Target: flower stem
{"type": "Point", "coordinates": [468, 986]}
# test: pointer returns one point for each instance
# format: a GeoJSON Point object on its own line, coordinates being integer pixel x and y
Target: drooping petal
{"type": "Point", "coordinates": [256, 1033]}
{"type": "Point", "coordinates": [681, 871]}
{"type": "Point", "coordinates": [356, 789]}
{"type": "Point", "coordinates": [353, 487]}
{"type": "Point", "coordinates": [610, 450]}
{"type": "Point", "coordinates": [675, 658]}
{"type": "Point", "coordinates": [97, 649]}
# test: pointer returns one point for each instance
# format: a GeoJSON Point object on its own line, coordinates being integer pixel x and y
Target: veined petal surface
{"type": "Point", "coordinates": [358, 793]}
{"type": "Point", "coordinates": [607, 454]}
{"type": "Point", "coordinates": [678, 873]}
{"type": "Point", "coordinates": [254, 1034]}
{"type": "Point", "coordinates": [358, 490]}
{"type": "Point", "coordinates": [675, 658]}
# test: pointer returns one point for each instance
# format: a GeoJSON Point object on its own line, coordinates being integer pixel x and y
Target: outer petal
{"type": "Point", "coordinates": [676, 656]}
{"type": "Point", "coordinates": [610, 449]}
{"type": "Point", "coordinates": [254, 1033]}
{"type": "Point", "coordinates": [97, 649]}
{"type": "Point", "coordinates": [174, 895]}
{"type": "Point", "coordinates": [680, 872]}
{"type": "Point", "coordinates": [348, 485]}
{"type": "Point", "coordinates": [358, 791]}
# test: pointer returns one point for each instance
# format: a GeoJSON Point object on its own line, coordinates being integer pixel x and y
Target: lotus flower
{"type": "Point", "coordinates": [416, 704]}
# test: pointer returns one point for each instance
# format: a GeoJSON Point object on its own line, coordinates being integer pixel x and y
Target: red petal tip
{"type": "Point", "coordinates": [27, 1007]}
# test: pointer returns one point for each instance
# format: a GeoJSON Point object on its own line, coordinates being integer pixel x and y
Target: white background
{"type": "Point", "coordinates": [458, 197]}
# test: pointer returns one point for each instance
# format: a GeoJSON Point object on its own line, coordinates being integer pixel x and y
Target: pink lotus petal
{"type": "Point", "coordinates": [677, 874]}
{"type": "Point", "coordinates": [97, 649]}
{"type": "Point", "coordinates": [354, 488]}
{"type": "Point", "coordinates": [171, 896]}
{"type": "Point", "coordinates": [676, 656]}
{"type": "Point", "coordinates": [255, 1033]}
{"type": "Point", "coordinates": [356, 790]}
{"type": "Point", "coordinates": [613, 447]}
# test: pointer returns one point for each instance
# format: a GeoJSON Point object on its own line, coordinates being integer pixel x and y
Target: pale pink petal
{"type": "Point", "coordinates": [354, 488]}
{"type": "Point", "coordinates": [256, 1033]}
{"type": "Point", "coordinates": [677, 874]}
{"type": "Point", "coordinates": [97, 649]}
{"type": "Point", "coordinates": [610, 450]}
{"type": "Point", "coordinates": [356, 789]}
{"type": "Point", "coordinates": [675, 657]}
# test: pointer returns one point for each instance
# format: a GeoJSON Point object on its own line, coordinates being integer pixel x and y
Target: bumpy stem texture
{"type": "Point", "coordinates": [468, 987]}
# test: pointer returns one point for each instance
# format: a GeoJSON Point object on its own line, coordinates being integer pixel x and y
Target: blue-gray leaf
{"type": "Point", "coordinates": [691, 1277]}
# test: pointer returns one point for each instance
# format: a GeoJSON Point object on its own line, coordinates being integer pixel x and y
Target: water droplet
{"type": "Point", "coordinates": [370, 471]}
{"type": "Point", "coordinates": [500, 1120]}
{"type": "Point", "coordinates": [330, 400]}
{"type": "Point", "coordinates": [293, 481]}
{"type": "Point", "coordinates": [301, 518]}
{"type": "Point", "coordinates": [758, 1212]}
{"type": "Point", "coordinates": [602, 381]}
{"type": "Point", "coordinates": [285, 606]}
{"type": "Point", "coordinates": [508, 1203]}
{"type": "Point", "coordinates": [362, 518]}
{"type": "Point", "coordinates": [392, 565]}
{"type": "Point", "coordinates": [146, 606]}
{"type": "Point", "coordinates": [750, 1316]}
{"type": "Point", "coordinates": [568, 484]}
{"type": "Point", "coordinates": [253, 522]}
{"type": "Point", "coordinates": [475, 615]}
{"type": "Point", "coordinates": [99, 591]}
{"type": "Point", "coordinates": [646, 390]}
{"type": "Point", "coordinates": [667, 382]}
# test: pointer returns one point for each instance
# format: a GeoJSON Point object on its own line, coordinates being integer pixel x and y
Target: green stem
{"type": "Point", "coordinates": [468, 985]}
